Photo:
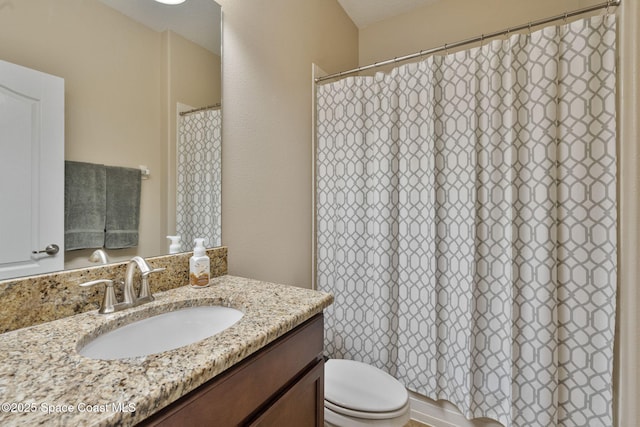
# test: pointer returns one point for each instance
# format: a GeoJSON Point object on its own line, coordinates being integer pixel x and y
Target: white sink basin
{"type": "Point", "coordinates": [162, 332]}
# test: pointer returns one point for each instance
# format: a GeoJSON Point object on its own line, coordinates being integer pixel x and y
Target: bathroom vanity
{"type": "Point", "coordinates": [281, 385]}
{"type": "Point", "coordinates": [265, 370]}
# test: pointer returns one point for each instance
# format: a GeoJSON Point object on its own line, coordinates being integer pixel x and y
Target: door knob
{"type": "Point", "coordinates": [51, 249]}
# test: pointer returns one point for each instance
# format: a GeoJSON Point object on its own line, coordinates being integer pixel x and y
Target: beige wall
{"type": "Point", "coordinates": [448, 21]}
{"type": "Point", "coordinates": [627, 363]}
{"type": "Point", "coordinates": [453, 20]}
{"type": "Point", "coordinates": [268, 48]}
{"type": "Point", "coordinates": [121, 86]}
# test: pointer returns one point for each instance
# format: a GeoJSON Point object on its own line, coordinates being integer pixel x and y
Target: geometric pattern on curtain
{"type": "Point", "coordinates": [466, 217]}
{"type": "Point", "coordinates": [199, 178]}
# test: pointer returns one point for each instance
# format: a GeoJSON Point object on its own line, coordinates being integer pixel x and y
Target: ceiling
{"type": "Point", "coordinates": [366, 12]}
{"type": "Point", "coordinates": [192, 20]}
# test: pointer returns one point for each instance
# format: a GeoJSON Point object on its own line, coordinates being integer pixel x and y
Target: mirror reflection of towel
{"type": "Point", "coordinates": [84, 205]}
{"type": "Point", "coordinates": [122, 207]}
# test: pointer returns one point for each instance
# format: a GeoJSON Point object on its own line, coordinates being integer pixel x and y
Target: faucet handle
{"type": "Point", "coordinates": [145, 289]}
{"type": "Point", "coordinates": [109, 299]}
{"type": "Point", "coordinates": [155, 270]}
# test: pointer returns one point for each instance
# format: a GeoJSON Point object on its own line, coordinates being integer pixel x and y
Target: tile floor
{"type": "Point", "coordinates": [413, 423]}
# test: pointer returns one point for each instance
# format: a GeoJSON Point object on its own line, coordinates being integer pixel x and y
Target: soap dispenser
{"type": "Point", "coordinates": [199, 269]}
{"type": "Point", "coordinates": [175, 246]}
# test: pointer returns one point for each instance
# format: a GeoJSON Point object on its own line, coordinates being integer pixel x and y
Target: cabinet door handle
{"type": "Point", "coordinates": [51, 249]}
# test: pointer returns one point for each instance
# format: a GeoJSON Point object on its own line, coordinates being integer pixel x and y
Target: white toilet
{"type": "Point", "coordinates": [357, 394]}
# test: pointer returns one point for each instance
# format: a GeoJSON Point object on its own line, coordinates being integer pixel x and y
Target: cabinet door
{"type": "Point", "coordinates": [302, 405]}
{"type": "Point", "coordinates": [246, 391]}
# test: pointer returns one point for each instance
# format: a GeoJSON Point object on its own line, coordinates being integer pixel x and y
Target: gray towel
{"type": "Point", "coordinates": [84, 205]}
{"type": "Point", "coordinates": [123, 207]}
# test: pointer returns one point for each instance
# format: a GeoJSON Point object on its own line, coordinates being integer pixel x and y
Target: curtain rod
{"type": "Point", "coordinates": [195, 110]}
{"type": "Point", "coordinates": [480, 38]}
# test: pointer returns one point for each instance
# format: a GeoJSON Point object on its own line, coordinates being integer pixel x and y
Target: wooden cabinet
{"type": "Point", "coordinates": [281, 385]}
{"type": "Point", "coordinates": [302, 405]}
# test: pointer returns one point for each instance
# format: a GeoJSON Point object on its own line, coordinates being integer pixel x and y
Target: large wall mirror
{"type": "Point", "coordinates": [130, 67]}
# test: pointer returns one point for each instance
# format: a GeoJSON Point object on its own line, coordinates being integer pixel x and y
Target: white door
{"type": "Point", "coordinates": [31, 171]}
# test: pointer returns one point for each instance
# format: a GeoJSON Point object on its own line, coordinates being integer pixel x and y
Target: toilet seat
{"type": "Point", "coordinates": [359, 390]}
{"type": "Point", "coordinates": [366, 415]}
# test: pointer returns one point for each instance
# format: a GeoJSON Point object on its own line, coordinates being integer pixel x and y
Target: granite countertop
{"type": "Point", "coordinates": [43, 379]}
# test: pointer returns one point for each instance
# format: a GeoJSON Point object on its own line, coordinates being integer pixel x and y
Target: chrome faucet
{"type": "Point", "coordinates": [110, 303]}
{"type": "Point", "coordinates": [144, 294]}
{"type": "Point", "coordinates": [129, 297]}
{"type": "Point", "coordinates": [99, 256]}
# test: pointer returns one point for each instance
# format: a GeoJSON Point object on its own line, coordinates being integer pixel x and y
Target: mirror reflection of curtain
{"type": "Point", "coordinates": [198, 187]}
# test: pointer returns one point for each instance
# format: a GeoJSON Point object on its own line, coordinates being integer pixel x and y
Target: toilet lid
{"type": "Point", "coordinates": [361, 387]}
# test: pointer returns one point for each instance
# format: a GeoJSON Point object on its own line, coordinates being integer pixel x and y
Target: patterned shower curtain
{"type": "Point", "coordinates": [199, 178]}
{"type": "Point", "coordinates": [466, 215]}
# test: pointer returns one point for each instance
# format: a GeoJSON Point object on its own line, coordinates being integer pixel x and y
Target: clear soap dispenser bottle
{"type": "Point", "coordinates": [199, 266]}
